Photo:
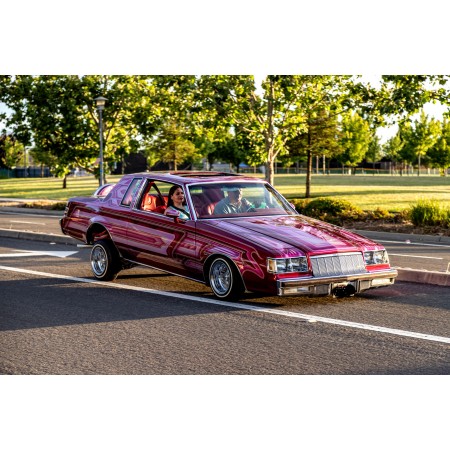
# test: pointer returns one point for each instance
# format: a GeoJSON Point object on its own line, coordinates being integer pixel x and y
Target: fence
{"type": "Point", "coordinates": [26, 172]}
{"type": "Point", "coordinates": [347, 171]}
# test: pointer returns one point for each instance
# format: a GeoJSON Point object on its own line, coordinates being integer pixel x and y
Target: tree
{"type": "Point", "coordinates": [374, 150]}
{"type": "Point", "coordinates": [171, 146]}
{"type": "Point", "coordinates": [392, 149]}
{"type": "Point", "coordinates": [320, 139]}
{"type": "Point", "coordinates": [11, 151]}
{"type": "Point", "coordinates": [417, 138]}
{"type": "Point", "coordinates": [425, 136]}
{"type": "Point", "coordinates": [397, 97]}
{"type": "Point", "coordinates": [439, 153]}
{"type": "Point", "coordinates": [275, 113]}
{"type": "Point", "coordinates": [354, 140]}
{"type": "Point", "coordinates": [56, 114]}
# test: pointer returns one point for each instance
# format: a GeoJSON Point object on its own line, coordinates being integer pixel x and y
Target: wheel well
{"type": "Point", "coordinates": [97, 232]}
{"type": "Point", "coordinates": [210, 260]}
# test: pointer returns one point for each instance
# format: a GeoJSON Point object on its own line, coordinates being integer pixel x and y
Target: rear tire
{"type": "Point", "coordinates": [105, 261]}
{"type": "Point", "coordinates": [225, 280]}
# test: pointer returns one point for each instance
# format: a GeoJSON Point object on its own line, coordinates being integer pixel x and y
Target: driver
{"type": "Point", "coordinates": [233, 203]}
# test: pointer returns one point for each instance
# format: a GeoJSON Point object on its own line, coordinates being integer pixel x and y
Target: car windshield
{"type": "Point", "coordinates": [237, 199]}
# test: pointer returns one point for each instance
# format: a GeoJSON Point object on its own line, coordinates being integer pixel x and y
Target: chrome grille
{"type": "Point", "coordinates": [338, 264]}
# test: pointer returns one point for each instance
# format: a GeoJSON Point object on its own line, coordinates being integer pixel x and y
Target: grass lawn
{"type": "Point", "coordinates": [49, 188]}
{"type": "Point", "coordinates": [393, 193]}
{"type": "Point", "coordinates": [369, 192]}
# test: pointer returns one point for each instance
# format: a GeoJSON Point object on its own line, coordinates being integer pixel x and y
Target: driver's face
{"type": "Point", "coordinates": [235, 195]}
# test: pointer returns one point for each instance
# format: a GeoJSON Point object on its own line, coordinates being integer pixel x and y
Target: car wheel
{"type": "Point", "coordinates": [224, 280]}
{"type": "Point", "coordinates": [105, 260]}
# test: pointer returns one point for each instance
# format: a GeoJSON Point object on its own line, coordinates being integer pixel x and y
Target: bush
{"type": "Point", "coordinates": [328, 209]}
{"type": "Point", "coordinates": [54, 206]}
{"type": "Point", "coordinates": [429, 212]}
{"type": "Point", "coordinates": [381, 214]}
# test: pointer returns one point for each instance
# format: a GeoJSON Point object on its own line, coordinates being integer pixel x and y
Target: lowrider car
{"type": "Point", "coordinates": [260, 245]}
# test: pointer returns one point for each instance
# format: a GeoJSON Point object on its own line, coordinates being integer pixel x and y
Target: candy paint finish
{"type": "Point", "coordinates": [146, 236]}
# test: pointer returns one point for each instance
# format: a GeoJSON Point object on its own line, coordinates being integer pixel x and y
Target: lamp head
{"type": "Point", "coordinates": [100, 102]}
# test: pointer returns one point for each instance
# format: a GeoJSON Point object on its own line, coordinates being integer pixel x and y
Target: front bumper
{"type": "Point", "coordinates": [328, 285]}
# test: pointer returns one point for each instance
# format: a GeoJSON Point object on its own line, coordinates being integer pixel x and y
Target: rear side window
{"type": "Point", "coordinates": [131, 192]}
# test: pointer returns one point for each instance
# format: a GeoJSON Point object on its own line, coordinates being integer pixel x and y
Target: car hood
{"type": "Point", "coordinates": [309, 235]}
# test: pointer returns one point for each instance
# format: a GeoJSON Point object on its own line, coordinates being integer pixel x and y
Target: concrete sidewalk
{"type": "Point", "coordinates": [404, 274]}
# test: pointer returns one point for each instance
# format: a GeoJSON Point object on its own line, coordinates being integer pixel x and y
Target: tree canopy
{"type": "Point", "coordinates": [180, 118]}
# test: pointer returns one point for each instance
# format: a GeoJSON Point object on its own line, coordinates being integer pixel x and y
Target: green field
{"type": "Point", "coordinates": [393, 193]}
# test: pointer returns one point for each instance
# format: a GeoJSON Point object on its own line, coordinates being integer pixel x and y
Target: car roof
{"type": "Point", "coordinates": [189, 177]}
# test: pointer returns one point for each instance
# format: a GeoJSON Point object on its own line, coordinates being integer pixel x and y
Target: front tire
{"type": "Point", "coordinates": [225, 280]}
{"type": "Point", "coordinates": [105, 261]}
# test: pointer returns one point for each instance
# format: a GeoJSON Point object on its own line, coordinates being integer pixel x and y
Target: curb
{"type": "Point", "coordinates": [40, 237]}
{"type": "Point", "coordinates": [423, 276]}
{"type": "Point", "coordinates": [403, 237]}
{"type": "Point", "coordinates": [39, 211]}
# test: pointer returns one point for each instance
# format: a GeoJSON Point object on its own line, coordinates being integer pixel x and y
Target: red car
{"type": "Point", "coordinates": [231, 232]}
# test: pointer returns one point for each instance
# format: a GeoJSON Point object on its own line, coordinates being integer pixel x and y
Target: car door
{"type": "Point", "coordinates": [159, 241]}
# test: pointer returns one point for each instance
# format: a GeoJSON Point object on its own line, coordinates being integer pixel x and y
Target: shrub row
{"type": "Point", "coordinates": [338, 212]}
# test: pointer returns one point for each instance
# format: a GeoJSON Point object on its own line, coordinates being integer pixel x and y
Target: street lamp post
{"type": "Point", "coordinates": [25, 174]}
{"type": "Point", "coordinates": [100, 103]}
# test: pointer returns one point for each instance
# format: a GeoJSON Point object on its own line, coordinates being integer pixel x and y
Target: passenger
{"type": "Point", "coordinates": [233, 203]}
{"type": "Point", "coordinates": [176, 202]}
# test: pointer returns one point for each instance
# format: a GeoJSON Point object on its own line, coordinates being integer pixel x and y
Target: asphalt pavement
{"type": "Point", "coordinates": [49, 231]}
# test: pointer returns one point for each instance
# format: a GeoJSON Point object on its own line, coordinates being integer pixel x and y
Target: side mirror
{"type": "Point", "coordinates": [173, 213]}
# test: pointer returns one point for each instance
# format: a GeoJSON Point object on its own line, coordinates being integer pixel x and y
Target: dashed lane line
{"type": "Point", "coordinates": [414, 256]}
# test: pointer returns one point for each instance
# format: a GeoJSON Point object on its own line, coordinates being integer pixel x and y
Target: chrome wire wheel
{"type": "Point", "coordinates": [99, 260]}
{"type": "Point", "coordinates": [225, 280]}
{"type": "Point", "coordinates": [105, 260]}
{"type": "Point", "coordinates": [220, 277]}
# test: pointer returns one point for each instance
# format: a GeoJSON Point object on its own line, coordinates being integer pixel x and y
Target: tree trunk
{"type": "Point", "coordinates": [64, 186]}
{"type": "Point", "coordinates": [270, 171]}
{"type": "Point", "coordinates": [269, 137]}
{"type": "Point", "coordinates": [308, 173]}
{"type": "Point", "coordinates": [309, 168]}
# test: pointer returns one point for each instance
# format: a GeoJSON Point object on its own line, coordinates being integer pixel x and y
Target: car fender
{"type": "Point", "coordinates": [211, 258]}
{"type": "Point", "coordinates": [95, 228]}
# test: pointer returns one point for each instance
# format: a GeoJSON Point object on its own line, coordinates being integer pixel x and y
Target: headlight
{"type": "Point", "coordinates": [376, 257]}
{"type": "Point", "coordinates": [285, 265]}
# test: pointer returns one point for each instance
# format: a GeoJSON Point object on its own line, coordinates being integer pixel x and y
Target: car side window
{"type": "Point", "coordinates": [131, 192]}
{"type": "Point", "coordinates": [154, 197]}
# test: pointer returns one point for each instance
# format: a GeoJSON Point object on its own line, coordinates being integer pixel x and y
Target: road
{"type": "Point", "coordinates": [55, 319]}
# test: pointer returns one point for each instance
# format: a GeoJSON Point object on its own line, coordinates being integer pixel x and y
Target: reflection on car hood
{"type": "Point", "coordinates": [304, 233]}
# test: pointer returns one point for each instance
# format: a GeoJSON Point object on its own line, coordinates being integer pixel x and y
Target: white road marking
{"type": "Point", "coordinates": [32, 223]}
{"type": "Point", "coordinates": [306, 317]}
{"type": "Point", "coordinates": [414, 243]}
{"type": "Point", "coordinates": [36, 253]}
{"type": "Point", "coordinates": [414, 256]}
